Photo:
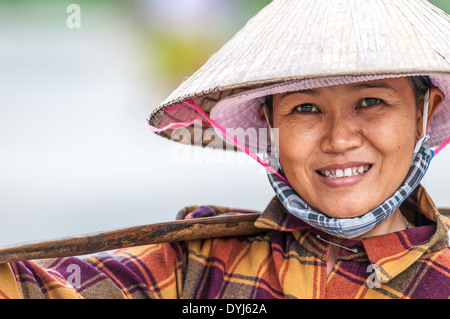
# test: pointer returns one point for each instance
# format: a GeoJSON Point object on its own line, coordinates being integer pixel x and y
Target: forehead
{"type": "Point", "coordinates": [396, 85]}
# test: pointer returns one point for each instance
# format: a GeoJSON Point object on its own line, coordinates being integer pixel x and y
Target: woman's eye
{"type": "Point", "coordinates": [306, 108]}
{"type": "Point", "coordinates": [367, 102]}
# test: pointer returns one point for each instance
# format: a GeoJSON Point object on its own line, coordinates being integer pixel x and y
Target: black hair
{"type": "Point", "coordinates": [269, 109]}
{"type": "Point", "coordinates": [421, 84]}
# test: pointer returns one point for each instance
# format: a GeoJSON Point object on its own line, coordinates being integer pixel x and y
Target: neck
{"type": "Point", "coordinates": [395, 222]}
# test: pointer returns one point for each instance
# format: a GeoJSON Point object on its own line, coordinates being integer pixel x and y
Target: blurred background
{"type": "Point", "coordinates": [76, 155]}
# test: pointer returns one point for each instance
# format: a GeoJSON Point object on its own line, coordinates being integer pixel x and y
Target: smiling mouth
{"type": "Point", "coordinates": [345, 172]}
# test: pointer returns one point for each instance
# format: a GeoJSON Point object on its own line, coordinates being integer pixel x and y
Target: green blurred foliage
{"type": "Point", "coordinates": [175, 56]}
{"type": "Point", "coordinates": [176, 53]}
{"type": "Point", "coordinates": [179, 53]}
{"type": "Point", "coordinates": [171, 53]}
{"type": "Point", "coordinates": [443, 4]}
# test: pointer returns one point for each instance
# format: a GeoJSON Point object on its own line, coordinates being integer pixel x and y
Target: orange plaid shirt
{"type": "Point", "coordinates": [286, 261]}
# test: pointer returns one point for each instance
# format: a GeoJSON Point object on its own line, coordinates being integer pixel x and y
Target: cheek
{"type": "Point", "coordinates": [396, 132]}
{"type": "Point", "coordinates": [295, 138]}
{"type": "Point", "coordinates": [298, 145]}
{"type": "Point", "coordinates": [394, 140]}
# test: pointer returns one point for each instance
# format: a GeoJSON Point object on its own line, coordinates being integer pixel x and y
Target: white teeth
{"type": "Point", "coordinates": [348, 172]}
{"type": "Point", "coordinates": [339, 173]}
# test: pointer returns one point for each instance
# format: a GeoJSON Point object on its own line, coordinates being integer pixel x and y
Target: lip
{"type": "Point", "coordinates": [343, 181]}
{"type": "Point", "coordinates": [343, 165]}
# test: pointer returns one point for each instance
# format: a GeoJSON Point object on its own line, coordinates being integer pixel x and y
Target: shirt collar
{"type": "Point", "coordinates": [390, 254]}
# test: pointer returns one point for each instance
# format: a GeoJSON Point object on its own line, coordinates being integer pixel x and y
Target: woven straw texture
{"type": "Point", "coordinates": [300, 39]}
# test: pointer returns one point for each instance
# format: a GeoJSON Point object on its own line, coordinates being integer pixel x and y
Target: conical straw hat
{"type": "Point", "coordinates": [311, 43]}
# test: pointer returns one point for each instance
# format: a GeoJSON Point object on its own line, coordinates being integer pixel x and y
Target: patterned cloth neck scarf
{"type": "Point", "coordinates": [353, 227]}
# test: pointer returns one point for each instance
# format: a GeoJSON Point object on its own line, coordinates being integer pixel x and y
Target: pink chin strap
{"type": "Point", "coordinates": [441, 147]}
{"type": "Point", "coordinates": [232, 139]}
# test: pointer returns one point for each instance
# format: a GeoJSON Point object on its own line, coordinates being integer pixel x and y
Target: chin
{"type": "Point", "coordinates": [343, 211]}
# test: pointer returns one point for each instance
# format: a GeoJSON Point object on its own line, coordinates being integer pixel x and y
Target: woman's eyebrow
{"type": "Point", "coordinates": [357, 86]}
{"type": "Point", "coordinates": [306, 91]}
{"type": "Point", "coordinates": [381, 85]}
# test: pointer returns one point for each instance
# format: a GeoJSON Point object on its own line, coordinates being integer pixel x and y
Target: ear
{"type": "Point", "coordinates": [436, 98]}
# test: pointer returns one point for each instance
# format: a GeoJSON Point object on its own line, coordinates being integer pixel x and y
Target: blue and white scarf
{"type": "Point", "coordinates": [354, 227]}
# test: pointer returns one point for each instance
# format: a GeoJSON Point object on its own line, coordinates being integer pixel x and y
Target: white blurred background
{"type": "Point", "coordinates": [75, 154]}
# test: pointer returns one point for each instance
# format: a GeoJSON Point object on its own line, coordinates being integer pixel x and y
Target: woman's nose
{"type": "Point", "coordinates": [341, 134]}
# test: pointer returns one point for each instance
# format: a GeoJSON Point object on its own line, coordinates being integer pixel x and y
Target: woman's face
{"type": "Point", "coordinates": [347, 148]}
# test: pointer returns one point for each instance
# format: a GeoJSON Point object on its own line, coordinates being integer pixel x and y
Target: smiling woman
{"type": "Point", "coordinates": [357, 142]}
{"type": "Point", "coordinates": [349, 102]}
{"type": "Point", "coordinates": [357, 145]}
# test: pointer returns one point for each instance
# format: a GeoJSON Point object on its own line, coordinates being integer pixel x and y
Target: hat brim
{"type": "Point", "coordinates": [295, 41]}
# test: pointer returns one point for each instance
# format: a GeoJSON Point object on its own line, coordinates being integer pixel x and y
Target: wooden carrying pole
{"type": "Point", "coordinates": [199, 228]}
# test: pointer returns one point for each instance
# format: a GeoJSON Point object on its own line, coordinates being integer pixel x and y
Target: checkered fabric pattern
{"type": "Point", "coordinates": [287, 261]}
{"type": "Point", "coordinates": [354, 227]}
